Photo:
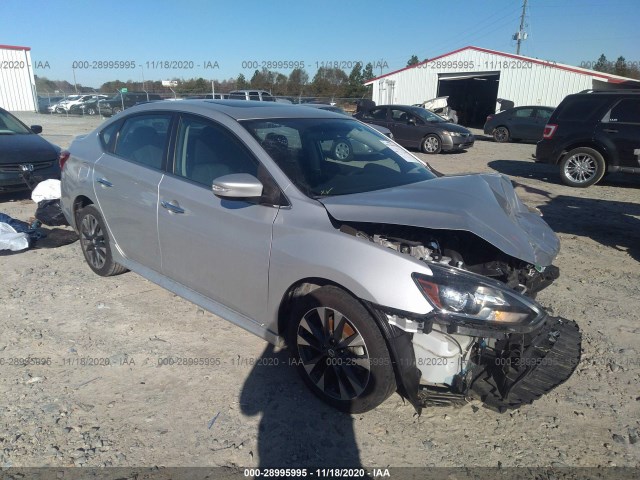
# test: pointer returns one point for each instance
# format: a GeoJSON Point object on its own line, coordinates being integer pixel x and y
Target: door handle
{"type": "Point", "coordinates": [105, 182]}
{"type": "Point", "coordinates": [609, 130]}
{"type": "Point", "coordinates": [171, 207]}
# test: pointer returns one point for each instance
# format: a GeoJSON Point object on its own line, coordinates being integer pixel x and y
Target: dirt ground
{"type": "Point", "coordinates": [248, 408]}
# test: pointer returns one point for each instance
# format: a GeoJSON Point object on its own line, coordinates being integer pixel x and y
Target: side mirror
{"type": "Point", "coordinates": [237, 185]}
{"type": "Point", "coordinates": [36, 128]}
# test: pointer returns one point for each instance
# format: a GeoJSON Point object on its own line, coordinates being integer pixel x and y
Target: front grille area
{"type": "Point", "coordinates": [16, 167]}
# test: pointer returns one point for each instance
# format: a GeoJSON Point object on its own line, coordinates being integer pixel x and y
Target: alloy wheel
{"type": "Point", "coordinates": [501, 134]}
{"type": "Point", "coordinates": [93, 241]}
{"type": "Point", "coordinates": [431, 145]}
{"type": "Point", "coordinates": [580, 168]}
{"type": "Point", "coordinates": [333, 353]}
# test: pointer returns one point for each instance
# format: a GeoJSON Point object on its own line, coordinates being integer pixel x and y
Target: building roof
{"type": "Point", "coordinates": [14, 47]}
{"type": "Point", "coordinates": [583, 71]}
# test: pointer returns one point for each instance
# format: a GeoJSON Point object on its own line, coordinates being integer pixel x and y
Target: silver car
{"type": "Point", "coordinates": [378, 273]}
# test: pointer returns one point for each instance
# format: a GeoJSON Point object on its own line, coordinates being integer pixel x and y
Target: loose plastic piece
{"type": "Point", "coordinates": [50, 213]}
{"type": "Point", "coordinates": [12, 240]}
{"type": "Point", "coordinates": [47, 190]}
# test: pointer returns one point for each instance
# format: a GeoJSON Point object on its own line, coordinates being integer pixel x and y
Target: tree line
{"type": "Point", "coordinates": [327, 82]}
{"type": "Point", "coordinates": [620, 67]}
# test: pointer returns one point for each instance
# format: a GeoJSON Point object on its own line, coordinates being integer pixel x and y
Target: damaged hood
{"type": "Point", "coordinates": [484, 204]}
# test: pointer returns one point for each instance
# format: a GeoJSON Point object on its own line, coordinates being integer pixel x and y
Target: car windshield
{"type": "Point", "coordinates": [326, 157]}
{"type": "Point", "coordinates": [10, 125]}
{"type": "Point", "coordinates": [427, 116]}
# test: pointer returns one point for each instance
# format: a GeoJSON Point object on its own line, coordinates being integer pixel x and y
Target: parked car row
{"type": "Point", "coordinates": [588, 135]}
{"type": "Point", "coordinates": [96, 104]}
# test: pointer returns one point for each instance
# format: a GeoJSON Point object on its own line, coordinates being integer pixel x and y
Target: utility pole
{"type": "Point", "coordinates": [520, 35]}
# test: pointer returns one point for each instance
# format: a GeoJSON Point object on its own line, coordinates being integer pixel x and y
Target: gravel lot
{"type": "Point", "coordinates": [248, 408]}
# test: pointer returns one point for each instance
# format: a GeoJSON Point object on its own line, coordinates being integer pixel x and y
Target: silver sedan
{"type": "Point", "coordinates": [313, 230]}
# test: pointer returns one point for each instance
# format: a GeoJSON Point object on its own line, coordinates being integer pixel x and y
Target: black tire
{"type": "Point", "coordinates": [91, 111]}
{"type": "Point", "coordinates": [355, 377]}
{"type": "Point", "coordinates": [582, 167]}
{"type": "Point", "coordinates": [342, 150]}
{"type": "Point", "coordinates": [94, 241]}
{"type": "Point", "coordinates": [431, 144]}
{"type": "Point", "coordinates": [501, 134]}
{"type": "Point", "coordinates": [115, 110]}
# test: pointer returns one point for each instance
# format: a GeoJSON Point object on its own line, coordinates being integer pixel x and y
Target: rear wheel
{"type": "Point", "coordinates": [91, 111]}
{"type": "Point", "coordinates": [339, 351]}
{"type": "Point", "coordinates": [342, 150]}
{"type": "Point", "coordinates": [501, 134]}
{"type": "Point", "coordinates": [94, 241]}
{"type": "Point", "coordinates": [116, 110]}
{"type": "Point", "coordinates": [582, 167]}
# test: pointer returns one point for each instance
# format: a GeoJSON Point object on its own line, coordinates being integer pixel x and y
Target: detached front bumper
{"type": "Point", "coordinates": [504, 370]}
{"type": "Point", "coordinates": [522, 368]}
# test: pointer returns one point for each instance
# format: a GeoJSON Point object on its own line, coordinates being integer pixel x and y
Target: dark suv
{"type": "Point", "coordinates": [592, 133]}
{"type": "Point", "coordinates": [120, 101]}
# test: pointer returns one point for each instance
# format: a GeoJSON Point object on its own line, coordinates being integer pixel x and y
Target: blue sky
{"type": "Point", "coordinates": [61, 32]}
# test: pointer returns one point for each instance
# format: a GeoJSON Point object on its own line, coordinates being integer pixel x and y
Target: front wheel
{"type": "Point", "coordinates": [339, 351]}
{"type": "Point", "coordinates": [582, 167]}
{"type": "Point", "coordinates": [116, 110]}
{"type": "Point", "coordinates": [431, 144]}
{"type": "Point", "coordinates": [95, 243]}
{"type": "Point", "coordinates": [91, 111]}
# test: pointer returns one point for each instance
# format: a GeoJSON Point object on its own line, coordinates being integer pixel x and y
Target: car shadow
{"type": "Point", "coordinates": [611, 223]}
{"type": "Point", "coordinates": [296, 428]}
{"type": "Point", "coordinates": [549, 173]}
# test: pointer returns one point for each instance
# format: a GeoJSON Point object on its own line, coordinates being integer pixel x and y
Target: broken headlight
{"type": "Point", "coordinates": [461, 295]}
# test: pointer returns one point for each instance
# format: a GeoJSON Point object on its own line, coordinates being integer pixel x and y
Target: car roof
{"type": "Point", "coordinates": [409, 107]}
{"type": "Point", "coordinates": [240, 110]}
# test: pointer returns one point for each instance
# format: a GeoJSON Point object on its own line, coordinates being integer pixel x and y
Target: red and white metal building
{"type": "Point", "coordinates": [17, 83]}
{"type": "Point", "coordinates": [474, 78]}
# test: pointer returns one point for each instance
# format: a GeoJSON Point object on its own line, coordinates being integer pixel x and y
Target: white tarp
{"type": "Point", "coordinates": [47, 190]}
{"type": "Point", "coordinates": [12, 240]}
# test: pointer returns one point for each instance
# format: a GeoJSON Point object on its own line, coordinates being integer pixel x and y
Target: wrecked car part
{"type": "Point", "coordinates": [457, 249]}
{"type": "Point", "coordinates": [521, 368]}
{"type": "Point", "coordinates": [484, 339]}
{"type": "Point", "coordinates": [485, 205]}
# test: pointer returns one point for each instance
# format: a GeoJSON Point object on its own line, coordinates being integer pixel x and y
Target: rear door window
{"type": "Point", "coordinates": [376, 114]}
{"type": "Point", "coordinates": [626, 111]}
{"type": "Point", "coordinates": [543, 113]}
{"type": "Point", "coordinates": [581, 108]}
{"type": "Point", "coordinates": [523, 113]}
{"type": "Point", "coordinates": [143, 139]}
